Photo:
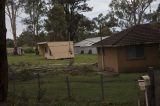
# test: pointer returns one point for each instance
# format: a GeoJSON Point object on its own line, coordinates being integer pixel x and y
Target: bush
{"type": "Point", "coordinates": [25, 75]}
{"type": "Point", "coordinates": [29, 50]}
{"type": "Point", "coordinates": [81, 70]}
{"type": "Point", "coordinates": [10, 51]}
{"type": "Point", "coordinates": [23, 99]}
{"type": "Point", "coordinates": [20, 74]}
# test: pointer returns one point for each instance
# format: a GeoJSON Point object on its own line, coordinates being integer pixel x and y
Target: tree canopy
{"type": "Point", "coordinates": [104, 24]}
{"type": "Point", "coordinates": [73, 14]}
{"type": "Point", "coordinates": [130, 12]}
{"type": "Point", "coordinates": [56, 24]}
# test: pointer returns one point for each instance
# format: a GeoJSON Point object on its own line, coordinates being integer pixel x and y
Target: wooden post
{"type": "Point", "coordinates": [154, 89]}
{"type": "Point", "coordinates": [14, 88]}
{"type": "Point", "coordinates": [157, 87]}
{"type": "Point", "coordinates": [151, 88]}
{"type": "Point", "coordinates": [68, 88]}
{"type": "Point", "coordinates": [102, 51]}
{"type": "Point", "coordinates": [39, 88]}
{"type": "Point", "coordinates": [146, 97]}
{"type": "Point", "coordinates": [102, 86]}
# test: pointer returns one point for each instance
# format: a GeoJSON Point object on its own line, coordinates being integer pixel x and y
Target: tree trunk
{"type": "Point", "coordinates": [36, 50]}
{"type": "Point", "coordinates": [3, 55]}
{"type": "Point", "coordinates": [36, 41]}
{"type": "Point", "coordinates": [15, 52]}
{"type": "Point", "coordinates": [12, 14]}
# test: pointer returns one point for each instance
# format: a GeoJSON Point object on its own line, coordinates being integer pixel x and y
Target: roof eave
{"type": "Point", "coordinates": [42, 43]}
{"type": "Point", "coordinates": [128, 44]}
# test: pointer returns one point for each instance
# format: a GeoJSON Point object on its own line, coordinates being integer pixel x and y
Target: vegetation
{"type": "Point", "coordinates": [10, 43]}
{"type": "Point", "coordinates": [104, 24]}
{"type": "Point", "coordinates": [59, 20]}
{"type": "Point", "coordinates": [35, 9]}
{"type": "Point", "coordinates": [56, 24]}
{"type": "Point", "coordinates": [154, 16]}
{"type": "Point", "coordinates": [73, 14]}
{"type": "Point", "coordinates": [130, 13]}
{"type": "Point", "coordinates": [84, 88]}
{"type": "Point", "coordinates": [13, 10]}
{"type": "Point", "coordinates": [65, 20]}
{"type": "Point", "coordinates": [33, 59]}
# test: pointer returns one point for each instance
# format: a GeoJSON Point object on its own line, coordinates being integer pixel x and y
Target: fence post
{"type": "Point", "coordinates": [39, 87]}
{"type": "Point", "coordinates": [14, 89]}
{"type": "Point", "coordinates": [151, 88]}
{"type": "Point", "coordinates": [102, 86]}
{"type": "Point", "coordinates": [68, 88]}
{"type": "Point", "coordinates": [157, 87]}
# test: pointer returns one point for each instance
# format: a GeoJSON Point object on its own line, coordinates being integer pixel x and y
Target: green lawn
{"type": "Point", "coordinates": [84, 89]}
{"type": "Point", "coordinates": [33, 59]}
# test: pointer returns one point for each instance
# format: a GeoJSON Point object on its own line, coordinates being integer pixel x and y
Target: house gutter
{"type": "Point", "coordinates": [127, 44]}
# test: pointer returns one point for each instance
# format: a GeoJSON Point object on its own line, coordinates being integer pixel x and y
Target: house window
{"type": "Point", "coordinates": [90, 52]}
{"type": "Point", "coordinates": [82, 51]}
{"type": "Point", "coordinates": [135, 52]}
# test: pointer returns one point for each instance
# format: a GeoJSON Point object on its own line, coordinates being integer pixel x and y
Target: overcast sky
{"type": "Point", "coordinates": [99, 6]}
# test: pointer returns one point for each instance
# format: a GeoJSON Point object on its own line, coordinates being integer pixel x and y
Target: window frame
{"type": "Point", "coordinates": [136, 49]}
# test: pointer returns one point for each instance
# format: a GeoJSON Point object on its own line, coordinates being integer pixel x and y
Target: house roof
{"type": "Point", "coordinates": [139, 34]}
{"type": "Point", "coordinates": [42, 43]}
{"type": "Point", "coordinates": [89, 41]}
{"type": "Point", "coordinates": [57, 42]}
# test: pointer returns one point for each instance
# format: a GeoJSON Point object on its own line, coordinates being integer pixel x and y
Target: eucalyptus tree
{"type": "Point", "coordinates": [3, 55]}
{"type": "Point", "coordinates": [104, 24]}
{"type": "Point", "coordinates": [153, 16]}
{"type": "Point", "coordinates": [86, 28]}
{"type": "Point", "coordinates": [35, 11]}
{"type": "Point", "coordinates": [13, 10]}
{"type": "Point", "coordinates": [74, 10]}
{"type": "Point", "coordinates": [130, 12]}
{"type": "Point", "coordinates": [55, 24]}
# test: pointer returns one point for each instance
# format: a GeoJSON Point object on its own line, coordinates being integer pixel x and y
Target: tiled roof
{"type": "Point", "coordinates": [139, 34]}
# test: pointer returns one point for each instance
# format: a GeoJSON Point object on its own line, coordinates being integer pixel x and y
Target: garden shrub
{"type": "Point", "coordinates": [29, 50]}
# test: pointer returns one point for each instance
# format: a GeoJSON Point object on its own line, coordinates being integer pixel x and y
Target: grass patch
{"type": "Point", "coordinates": [84, 89]}
{"type": "Point", "coordinates": [84, 84]}
{"type": "Point", "coordinates": [33, 59]}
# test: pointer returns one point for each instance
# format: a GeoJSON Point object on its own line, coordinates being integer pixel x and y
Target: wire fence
{"type": "Point", "coordinates": [79, 90]}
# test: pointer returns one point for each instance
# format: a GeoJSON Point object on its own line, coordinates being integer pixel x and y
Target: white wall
{"type": "Point", "coordinates": [85, 49]}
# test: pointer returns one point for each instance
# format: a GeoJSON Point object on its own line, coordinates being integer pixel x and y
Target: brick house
{"type": "Point", "coordinates": [131, 50]}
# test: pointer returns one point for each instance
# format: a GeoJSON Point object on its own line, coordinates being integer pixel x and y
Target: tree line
{"type": "Point", "coordinates": [63, 20]}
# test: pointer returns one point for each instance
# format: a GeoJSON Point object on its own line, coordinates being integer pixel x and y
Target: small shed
{"type": "Point", "coordinates": [56, 50]}
{"type": "Point", "coordinates": [20, 51]}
